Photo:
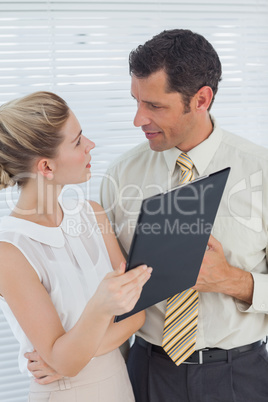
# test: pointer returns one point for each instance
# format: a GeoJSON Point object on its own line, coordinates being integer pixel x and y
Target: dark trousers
{"type": "Point", "coordinates": [155, 378]}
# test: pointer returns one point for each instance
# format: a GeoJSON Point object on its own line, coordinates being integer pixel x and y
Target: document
{"type": "Point", "coordinates": [171, 236]}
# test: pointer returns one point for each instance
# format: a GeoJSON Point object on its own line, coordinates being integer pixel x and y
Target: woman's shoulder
{"type": "Point", "coordinates": [98, 210]}
{"type": "Point", "coordinates": [96, 207]}
{"type": "Point", "coordinates": [11, 253]}
{"type": "Point", "coordinates": [100, 217]}
{"type": "Point", "coordinates": [6, 247]}
{"type": "Point", "coordinates": [9, 232]}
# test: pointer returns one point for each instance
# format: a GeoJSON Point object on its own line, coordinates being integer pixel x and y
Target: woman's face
{"type": "Point", "coordinates": [72, 164]}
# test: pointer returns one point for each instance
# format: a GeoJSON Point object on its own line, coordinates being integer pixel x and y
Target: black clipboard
{"type": "Point", "coordinates": [171, 235]}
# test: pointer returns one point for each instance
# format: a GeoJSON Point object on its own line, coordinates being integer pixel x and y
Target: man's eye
{"type": "Point", "coordinates": [78, 142]}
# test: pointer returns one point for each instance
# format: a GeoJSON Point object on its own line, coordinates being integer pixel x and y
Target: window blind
{"type": "Point", "coordinates": [80, 51]}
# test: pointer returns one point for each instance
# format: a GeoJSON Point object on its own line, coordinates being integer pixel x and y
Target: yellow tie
{"type": "Point", "coordinates": [180, 326]}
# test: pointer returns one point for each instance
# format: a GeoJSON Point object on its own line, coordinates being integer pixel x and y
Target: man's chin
{"type": "Point", "coordinates": [158, 147]}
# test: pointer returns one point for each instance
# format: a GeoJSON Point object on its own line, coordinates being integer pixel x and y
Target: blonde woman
{"type": "Point", "coordinates": [62, 285]}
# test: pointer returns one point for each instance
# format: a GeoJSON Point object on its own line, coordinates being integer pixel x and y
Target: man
{"type": "Point", "coordinates": [175, 78]}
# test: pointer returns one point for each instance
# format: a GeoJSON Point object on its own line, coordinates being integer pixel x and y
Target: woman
{"type": "Point", "coordinates": [61, 279]}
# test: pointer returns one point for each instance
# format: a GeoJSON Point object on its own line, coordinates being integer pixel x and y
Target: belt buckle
{"type": "Point", "coordinates": [200, 355]}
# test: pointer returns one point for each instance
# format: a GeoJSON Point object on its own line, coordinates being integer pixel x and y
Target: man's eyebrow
{"type": "Point", "coordinates": [149, 102]}
{"type": "Point", "coordinates": [153, 103]}
{"type": "Point", "coordinates": [76, 138]}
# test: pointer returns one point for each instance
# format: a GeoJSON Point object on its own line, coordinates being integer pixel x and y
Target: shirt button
{"type": "Point", "coordinates": [262, 306]}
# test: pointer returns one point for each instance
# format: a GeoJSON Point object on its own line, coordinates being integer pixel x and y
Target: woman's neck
{"type": "Point", "coordinates": [39, 204]}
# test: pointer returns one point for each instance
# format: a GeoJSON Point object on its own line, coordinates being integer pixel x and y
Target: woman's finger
{"type": "Point", "coordinates": [48, 379]}
{"type": "Point", "coordinates": [131, 294]}
{"type": "Point", "coordinates": [139, 280]}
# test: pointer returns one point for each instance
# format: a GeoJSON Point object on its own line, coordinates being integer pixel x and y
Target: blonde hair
{"type": "Point", "coordinates": [30, 127]}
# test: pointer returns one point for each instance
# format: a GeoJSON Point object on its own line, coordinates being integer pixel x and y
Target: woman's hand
{"type": "Point", "coordinates": [40, 370]}
{"type": "Point", "coordinates": [119, 291]}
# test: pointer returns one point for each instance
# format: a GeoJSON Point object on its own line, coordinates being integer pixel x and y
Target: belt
{"type": "Point", "coordinates": [207, 355]}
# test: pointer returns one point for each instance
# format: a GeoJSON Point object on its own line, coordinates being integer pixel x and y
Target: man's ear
{"type": "Point", "coordinates": [45, 167]}
{"type": "Point", "coordinates": [203, 98]}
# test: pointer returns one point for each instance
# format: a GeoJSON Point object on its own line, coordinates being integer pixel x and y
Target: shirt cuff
{"type": "Point", "coordinates": [260, 296]}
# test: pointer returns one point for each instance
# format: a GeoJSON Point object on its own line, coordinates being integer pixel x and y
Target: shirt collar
{"type": "Point", "coordinates": [171, 155]}
{"type": "Point", "coordinates": [201, 155]}
{"type": "Point", "coordinates": [52, 236]}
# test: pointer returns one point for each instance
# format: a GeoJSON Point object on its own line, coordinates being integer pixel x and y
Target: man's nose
{"type": "Point", "coordinates": [141, 118]}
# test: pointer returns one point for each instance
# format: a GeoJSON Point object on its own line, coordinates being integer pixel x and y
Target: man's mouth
{"type": "Point", "coordinates": [151, 135]}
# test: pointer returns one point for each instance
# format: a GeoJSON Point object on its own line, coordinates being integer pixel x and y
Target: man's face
{"type": "Point", "coordinates": [161, 115]}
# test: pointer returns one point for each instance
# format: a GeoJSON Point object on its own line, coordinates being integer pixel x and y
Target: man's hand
{"type": "Point", "coordinates": [40, 370]}
{"type": "Point", "coordinates": [217, 275]}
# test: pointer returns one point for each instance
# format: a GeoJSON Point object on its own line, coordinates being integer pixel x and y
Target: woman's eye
{"type": "Point", "coordinates": [79, 140]}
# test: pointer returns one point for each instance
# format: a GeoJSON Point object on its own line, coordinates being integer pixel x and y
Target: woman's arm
{"type": "Point", "coordinates": [67, 352]}
{"type": "Point", "coordinates": [114, 337]}
{"type": "Point", "coordinates": [111, 243]}
{"type": "Point", "coordinates": [117, 333]}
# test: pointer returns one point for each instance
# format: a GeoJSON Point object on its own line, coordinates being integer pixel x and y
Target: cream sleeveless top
{"type": "Point", "coordinates": [70, 260]}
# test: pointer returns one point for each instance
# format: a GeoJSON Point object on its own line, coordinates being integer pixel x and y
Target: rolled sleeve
{"type": "Point", "coordinates": [260, 296]}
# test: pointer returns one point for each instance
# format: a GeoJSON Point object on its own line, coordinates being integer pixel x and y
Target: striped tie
{"type": "Point", "coordinates": [180, 326]}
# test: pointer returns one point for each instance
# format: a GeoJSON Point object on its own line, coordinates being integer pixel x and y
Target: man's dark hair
{"type": "Point", "coordinates": [187, 58]}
